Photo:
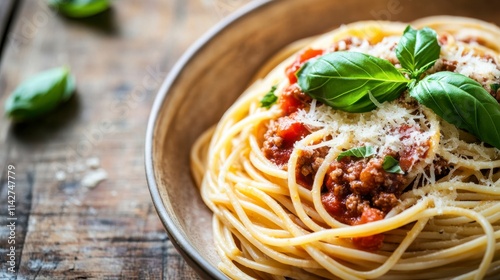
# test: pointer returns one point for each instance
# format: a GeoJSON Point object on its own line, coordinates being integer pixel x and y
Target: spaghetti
{"type": "Point", "coordinates": [288, 202]}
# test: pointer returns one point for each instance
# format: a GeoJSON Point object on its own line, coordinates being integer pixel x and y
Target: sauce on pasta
{"type": "Point", "coordinates": [288, 205]}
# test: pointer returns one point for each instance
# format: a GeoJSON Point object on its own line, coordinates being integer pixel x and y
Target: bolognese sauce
{"type": "Point", "coordinates": [355, 190]}
{"type": "Point", "coordinates": [383, 178]}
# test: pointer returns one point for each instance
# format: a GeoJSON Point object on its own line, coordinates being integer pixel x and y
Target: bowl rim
{"type": "Point", "coordinates": [203, 267]}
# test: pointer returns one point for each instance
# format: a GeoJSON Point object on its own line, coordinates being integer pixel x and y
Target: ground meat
{"type": "Point", "coordinates": [371, 176]}
{"type": "Point", "coordinates": [356, 205]}
{"type": "Point", "coordinates": [441, 167]}
{"type": "Point", "coordinates": [385, 201]}
{"type": "Point", "coordinates": [280, 138]}
{"type": "Point", "coordinates": [272, 146]}
{"type": "Point", "coordinates": [308, 163]}
{"type": "Point", "coordinates": [448, 65]}
{"type": "Point", "coordinates": [283, 132]}
{"type": "Point", "coordinates": [353, 186]}
{"type": "Point", "coordinates": [293, 99]}
{"type": "Point", "coordinates": [362, 177]}
{"type": "Point", "coordinates": [295, 92]}
{"type": "Point", "coordinates": [492, 88]}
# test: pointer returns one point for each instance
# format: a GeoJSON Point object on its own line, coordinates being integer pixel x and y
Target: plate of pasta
{"type": "Point", "coordinates": [363, 143]}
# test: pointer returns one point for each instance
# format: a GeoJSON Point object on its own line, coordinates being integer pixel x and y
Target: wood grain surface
{"type": "Point", "coordinates": [65, 227]}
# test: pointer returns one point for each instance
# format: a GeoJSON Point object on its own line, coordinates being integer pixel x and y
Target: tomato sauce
{"type": "Point", "coordinates": [373, 242]}
{"type": "Point", "coordinates": [301, 59]}
{"type": "Point", "coordinates": [411, 154]}
{"type": "Point", "coordinates": [281, 137]}
{"type": "Point", "coordinates": [289, 104]}
{"type": "Point", "coordinates": [355, 191]}
{"type": "Point", "coordinates": [336, 206]}
{"type": "Point", "coordinates": [290, 131]}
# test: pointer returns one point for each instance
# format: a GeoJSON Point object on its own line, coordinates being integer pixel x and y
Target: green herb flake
{"type": "Point", "coordinates": [359, 152]}
{"type": "Point", "coordinates": [495, 87]}
{"type": "Point", "coordinates": [391, 165]}
{"type": "Point", "coordinates": [80, 8]}
{"type": "Point", "coordinates": [40, 94]}
{"type": "Point", "coordinates": [269, 99]}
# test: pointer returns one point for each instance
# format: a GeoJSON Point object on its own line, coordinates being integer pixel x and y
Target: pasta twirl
{"type": "Point", "coordinates": [300, 190]}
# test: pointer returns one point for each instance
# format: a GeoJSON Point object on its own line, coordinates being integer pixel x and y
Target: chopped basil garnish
{"type": "Point", "coordinates": [40, 94]}
{"type": "Point", "coordinates": [80, 8]}
{"type": "Point", "coordinates": [349, 81]}
{"type": "Point", "coordinates": [391, 165]}
{"type": "Point", "coordinates": [269, 99]}
{"type": "Point", "coordinates": [360, 152]}
{"type": "Point", "coordinates": [495, 87]}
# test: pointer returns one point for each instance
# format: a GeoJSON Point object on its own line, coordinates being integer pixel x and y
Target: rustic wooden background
{"type": "Point", "coordinates": [65, 229]}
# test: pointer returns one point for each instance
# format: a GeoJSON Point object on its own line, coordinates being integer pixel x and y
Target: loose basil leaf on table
{"type": "Point", "coordinates": [359, 152]}
{"type": "Point", "coordinates": [391, 165]}
{"type": "Point", "coordinates": [40, 94]}
{"type": "Point", "coordinates": [80, 8]}
{"type": "Point", "coordinates": [345, 80]}
{"type": "Point", "coordinates": [418, 50]}
{"type": "Point", "coordinates": [462, 102]}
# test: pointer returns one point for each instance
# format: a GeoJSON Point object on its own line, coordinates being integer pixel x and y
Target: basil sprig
{"type": "Point", "coordinates": [40, 94]}
{"type": "Point", "coordinates": [80, 8]}
{"type": "Point", "coordinates": [349, 81]}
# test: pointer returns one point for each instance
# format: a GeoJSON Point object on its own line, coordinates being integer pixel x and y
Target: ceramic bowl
{"type": "Point", "coordinates": [215, 71]}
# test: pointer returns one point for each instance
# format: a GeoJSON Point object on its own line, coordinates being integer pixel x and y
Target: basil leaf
{"type": "Point", "coordinates": [418, 50]}
{"type": "Point", "coordinates": [360, 152]}
{"type": "Point", "coordinates": [495, 87]}
{"type": "Point", "coordinates": [40, 94]}
{"type": "Point", "coordinates": [269, 99]}
{"type": "Point", "coordinates": [462, 102]}
{"type": "Point", "coordinates": [343, 80]}
{"type": "Point", "coordinates": [80, 8]}
{"type": "Point", "coordinates": [391, 165]}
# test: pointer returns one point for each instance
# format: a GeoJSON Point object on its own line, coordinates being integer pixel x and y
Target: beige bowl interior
{"type": "Point", "coordinates": [211, 75]}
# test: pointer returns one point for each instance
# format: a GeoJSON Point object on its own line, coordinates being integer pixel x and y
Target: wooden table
{"type": "Point", "coordinates": [64, 227]}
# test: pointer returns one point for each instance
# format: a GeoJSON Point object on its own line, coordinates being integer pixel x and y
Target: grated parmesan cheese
{"type": "Point", "coordinates": [480, 68]}
{"type": "Point", "coordinates": [378, 128]}
{"type": "Point", "coordinates": [466, 62]}
{"type": "Point", "coordinates": [383, 49]}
